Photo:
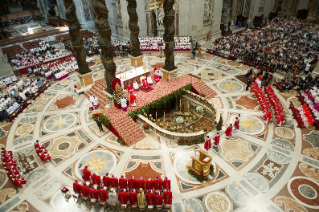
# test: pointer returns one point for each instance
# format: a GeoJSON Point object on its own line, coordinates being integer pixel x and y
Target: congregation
{"type": "Point", "coordinates": [287, 45]}
{"type": "Point", "coordinates": [14, 97]}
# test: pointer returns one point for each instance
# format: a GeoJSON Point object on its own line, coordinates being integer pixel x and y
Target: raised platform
{"type": "Point", "coordinates": [124, 125]}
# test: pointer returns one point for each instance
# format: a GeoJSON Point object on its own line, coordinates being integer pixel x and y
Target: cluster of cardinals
{"type": "Point", "coordinates": [10, 167]}
{"type": "Point", "coordinates": [308, 119]}
{"type": "Point", "coordinates": [101, 186]}
{"type": "Point", "coordinates": [42, 152]}
{"type": "Point", "coordinates": [275, 105]}
{"type": "Point", "coordinates": [268, 102]}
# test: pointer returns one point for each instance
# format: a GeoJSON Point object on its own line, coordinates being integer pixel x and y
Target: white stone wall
{"type": "Point", "coordinates": [269, 7]}
{"type": "Point", "coordinates": [303, 4]}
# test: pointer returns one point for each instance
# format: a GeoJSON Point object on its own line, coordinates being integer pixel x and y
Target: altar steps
{"type": "Point", "coordinates": [98, 91]}
{"type": "Point", "coordinates": [127, 129]}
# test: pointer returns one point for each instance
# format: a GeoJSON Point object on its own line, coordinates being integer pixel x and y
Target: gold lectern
{"type": "Point", "coordinates": [201, 165]}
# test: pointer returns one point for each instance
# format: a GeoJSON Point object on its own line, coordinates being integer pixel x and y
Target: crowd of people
{"type": "Point", "coordinates": [11, 168]}
{"type": "Point", "coordinates": [28, 58]}
{"type": "Point", "coordinates": [17, 94]}
{"type": "Point", "coordinates": [123, 191]}
{"type": "Point", "coordinates": [298, 83]}
{"type": "Point", "coordinates": [286, 44]}
{"type": "Point", "coordinates": [182, 43]}
{"type": "Point", "coordinates": [57, 68]}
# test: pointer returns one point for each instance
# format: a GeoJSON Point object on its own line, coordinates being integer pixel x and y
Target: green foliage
{"type": "Point", "coordinates": [190, 141]}
{"type": "Point", "coordinates": [201, 178]}
{"type": "Point", "coordinates": [162, 102]}
{"type": "Point", "coordinates": [105, 120]}
{"type": "Point", "coordinates": [121, 142]}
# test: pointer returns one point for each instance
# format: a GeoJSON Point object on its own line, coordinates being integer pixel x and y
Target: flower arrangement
{"type": "Point", "coordinates": [118, 99]}
{"type": "Point", "coordinates": [179, 120]}
{"type": "Point", "coordinates": [146, 126]}
{"type": "Point", "coordinates": [201, 178]}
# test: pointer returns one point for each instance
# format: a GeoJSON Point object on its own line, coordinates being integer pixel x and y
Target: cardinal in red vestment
{"type": "Point", "coordinates": [103, 194]}
{"type": "Point", "coordinates": [166, 183]}
{"type": "Point", "coordinates": [208, 144]}
{"type": "Point", "coordinates": [157, 183]}
{"type": "Point", "coordinates": [158, 199]}
{"type": "Point", "coordinates": [236, 124]}
{"type": "Point", "coordinates": [132, 183]}
{"type": "Point", "coordinates": [168, 197]}
{"type": "Point", "coordinates": [149, 184]}
{"type": "Point", "coordinates": [133, 99]}
{"type": "Point", "coordinates": [122, 197]}
{"type": "Point", "coordinates": [150, 197]}
{"type": "Point", "coordinates": [228, 131]}
{"type": "Point", "coordinates": [132, 197]}
{"type": "Point", "coordinates": [123, 182]}
{"type": "Point", "coordinates": [216, 140]}
{"type": "Point", "coordinates": [107, 180]}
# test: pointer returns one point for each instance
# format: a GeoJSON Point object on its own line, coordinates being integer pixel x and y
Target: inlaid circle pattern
{"type": "Point", "coordinates": [284, 132]}
{"type": "Point", "coordinates": [230, 86]}
{"type": "Point", "coordinates": [217, 202]}
{"type": "Point", "coordinates": [60, 122]}
{"type": "Point", "coordinates": [304, 190]}
{"type": "Point", "coordinates": [307, 191]}
{"type": "Point", "coordinates": [64, 146]}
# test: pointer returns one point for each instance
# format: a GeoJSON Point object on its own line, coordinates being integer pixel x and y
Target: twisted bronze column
{"type": "Point", "coordinates": [105, 33]}
{"type": "Point", "coordinates": [76, 37]}
{"type": "Point", "coordinates": [169, 34]}
{"type": "Point", "coordinates": [135, 43]}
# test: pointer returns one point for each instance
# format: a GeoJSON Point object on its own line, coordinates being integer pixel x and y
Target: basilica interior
{"type": "Point", "coordinates": [159, 105]}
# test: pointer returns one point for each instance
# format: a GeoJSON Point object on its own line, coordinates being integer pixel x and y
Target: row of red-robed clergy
{"type": "Point", "coordinates": [122, 183]}
{"type": "Point", "coordinates": [11, 169]}
{"type": "Point", "coordinates": [42, 152]}
{"type": "Point", "coordinates": [123, 197]}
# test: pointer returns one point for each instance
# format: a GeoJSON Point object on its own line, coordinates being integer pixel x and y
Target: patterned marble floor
{"type": "Point", "coordinates": [262, 168]}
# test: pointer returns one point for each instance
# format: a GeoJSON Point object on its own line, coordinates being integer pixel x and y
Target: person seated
{"type": "Point", "coordinates": [135, 86]}
{"type": "Point", "coordinates": [149, 80]}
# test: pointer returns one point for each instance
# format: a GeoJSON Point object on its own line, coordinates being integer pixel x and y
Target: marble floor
{"type": "Point", "coordinates": [262, 168]}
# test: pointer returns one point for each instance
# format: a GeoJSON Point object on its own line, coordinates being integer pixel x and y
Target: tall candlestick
{"type": "Point", "coordinates": [156, 115]}
{"type": "Point", "coordinates": [180, 103]}
{"type": "Point", "coordinates": [164, 116]}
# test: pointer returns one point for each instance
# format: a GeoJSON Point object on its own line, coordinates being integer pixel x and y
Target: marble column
{"type": "Point", "coordinates": [233, 11]}
{"type": "Point", "coordinates": [133, 19]}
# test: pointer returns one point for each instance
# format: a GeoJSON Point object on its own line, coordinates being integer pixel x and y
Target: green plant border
{"type": "Point", "coordinates": [104, 119]}
{"type": "Point", "coordinates": [160, 102]}
{"type": "Point", "coordinates": [190, 141]}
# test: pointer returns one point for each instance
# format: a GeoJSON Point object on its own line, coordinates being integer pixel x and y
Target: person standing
{"type": "Point", "coordinates": [228, 131]}
{"type": "Point", "coordinates": [208, 144]}
{"type": "Point", "coordinates": [236, 124]}
{"type": "Point", "coordinates": [216, 140]}
{"type": "Point", "coordinates": [160, 49]}
{"type": "Point", "coordinates": [99, 124]}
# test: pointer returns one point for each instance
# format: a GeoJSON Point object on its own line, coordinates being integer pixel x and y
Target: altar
{"type": "Point", "coordinates": [128, 77]}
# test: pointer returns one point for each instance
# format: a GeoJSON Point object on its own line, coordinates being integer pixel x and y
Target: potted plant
{"type": "Point", "coordinates": [146, 127]}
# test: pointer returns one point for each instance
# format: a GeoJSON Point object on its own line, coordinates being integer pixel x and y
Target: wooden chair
{"type": "Point", "coordinates": [158, 208]}
{"type": "Point", "coordinates": [112, 206]}
{"type": "Point", "coordinates": [167, 208]}
{"type": "Point", "coordinates": [134, 208]}
{"type": "Point", "coordinates": [150, 208]}
{"type": "Point", "coordinates": [141, 208]}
